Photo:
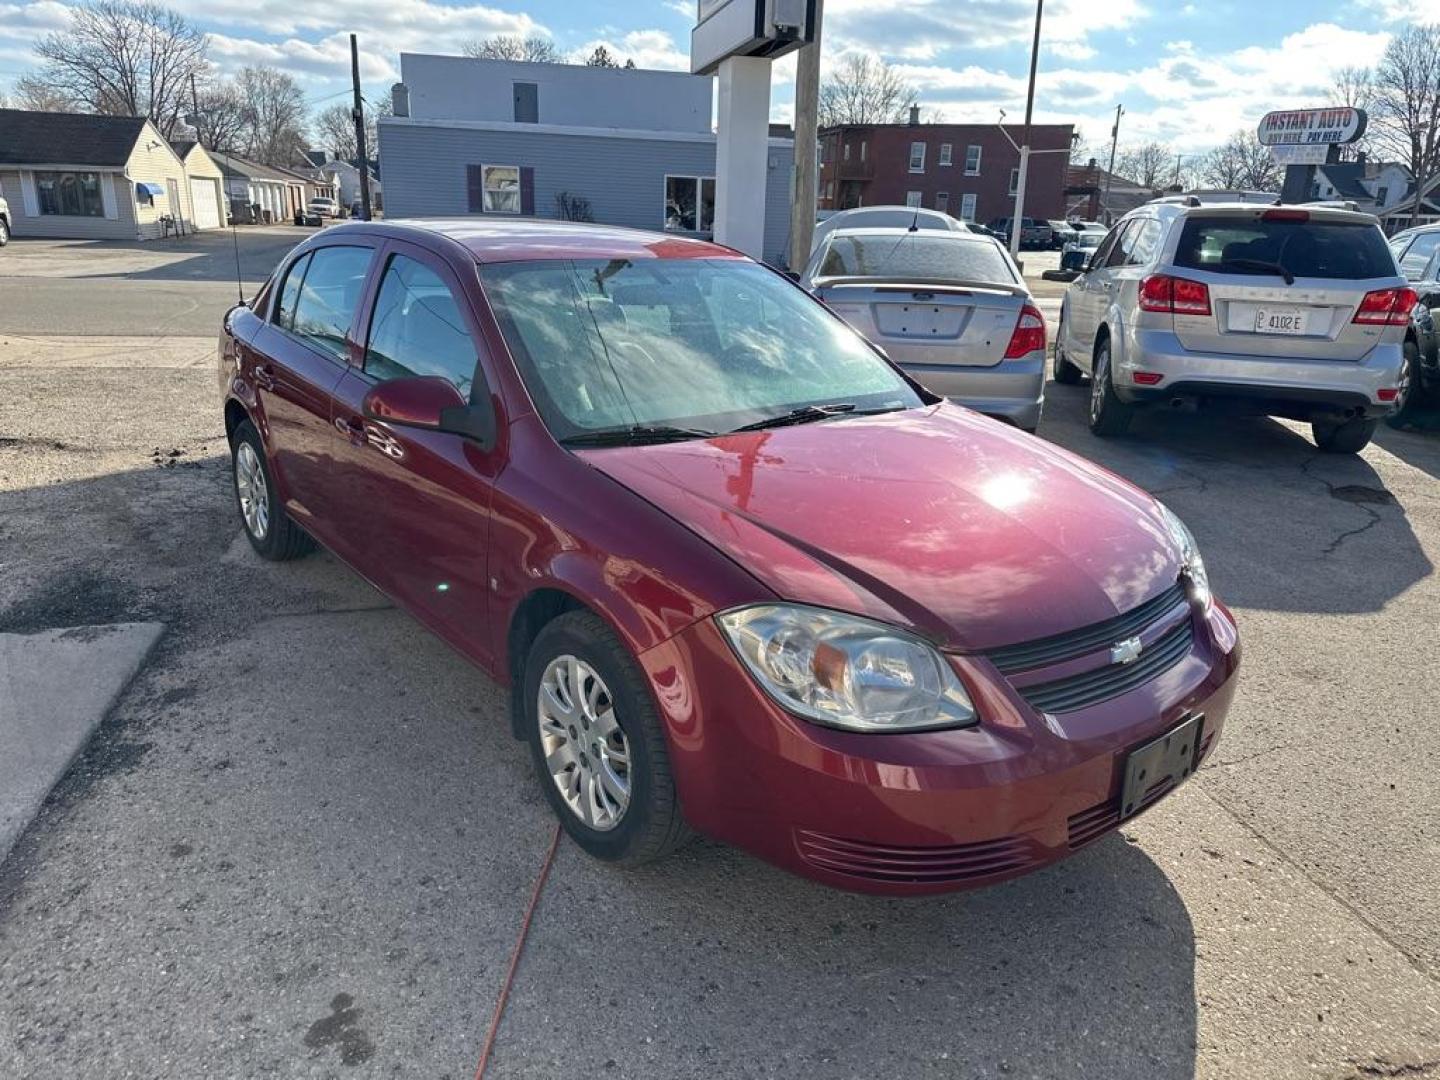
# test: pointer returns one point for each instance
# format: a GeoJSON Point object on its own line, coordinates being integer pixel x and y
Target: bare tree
{"type": "Point", "coordinates": [1405, 102]}
{"type": "Point", "coordinates": [1354, 88]}
{"type": "Point", "coordinates": [333, 129]}
{"type": "Point", "coordinates": [124, 58]}
{"type": "Point", "coordinates": [1240, 163]}
{"type": "Point", "coordinates": [37, 95]}
{"type": "Point", "coordinates": [218, 116]}
{"type": "Point", "coordinates": [274, 110]}
{"type": "Point", "coordinates": [536, 48]}
{"type": "Point", "coordinates": [863, 90]}
{"type": "Point", "coordinates": [1151, 164]}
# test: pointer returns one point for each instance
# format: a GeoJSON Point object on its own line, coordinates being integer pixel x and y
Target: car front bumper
{"type": "Point", "coordinates": [1012, 390]}
{"type": "Point", "coordinates": [926, 812]}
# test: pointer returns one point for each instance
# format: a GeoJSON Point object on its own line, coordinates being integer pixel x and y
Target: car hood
{"type": "Point", "coordinates": [967, 531]}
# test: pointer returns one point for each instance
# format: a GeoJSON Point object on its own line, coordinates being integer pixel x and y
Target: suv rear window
{"type": "Point", "coordinates": [1313, 249]}
{"type": "Point", "coordinates": [945, 257]}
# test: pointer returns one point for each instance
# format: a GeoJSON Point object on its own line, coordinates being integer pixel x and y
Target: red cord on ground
{"type": "Point", "coordinates": [515, 957]}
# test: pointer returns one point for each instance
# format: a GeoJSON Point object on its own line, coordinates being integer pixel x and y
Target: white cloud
{"type": "Point", "coordinates": [1071, 50]}
{"type": "Point", "coordinates": [327, 58]}
{"type": "Point", "coordinates": [922, 29]}
{"type": "Point", "coordinates": [648, 48]}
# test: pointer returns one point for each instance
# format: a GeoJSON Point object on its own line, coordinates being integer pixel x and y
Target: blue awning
{"type": "Point", "coordinates": [143, 188]}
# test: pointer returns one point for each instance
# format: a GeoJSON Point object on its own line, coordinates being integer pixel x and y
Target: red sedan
{"type": "Point", "coordinates": [740, 574]}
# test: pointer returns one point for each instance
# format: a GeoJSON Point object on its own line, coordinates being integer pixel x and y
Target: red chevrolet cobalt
{"type": "Point", "coordinates": [740, 574]}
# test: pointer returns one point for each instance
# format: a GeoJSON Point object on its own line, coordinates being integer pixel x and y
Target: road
{"type": "Point", "coordinates": [302, 841]}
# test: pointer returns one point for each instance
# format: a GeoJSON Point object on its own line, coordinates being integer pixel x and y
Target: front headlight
{"type": "Point", "coordinates": [1192, 565]}
{"type": "Point", "coordinates": [847, 672]}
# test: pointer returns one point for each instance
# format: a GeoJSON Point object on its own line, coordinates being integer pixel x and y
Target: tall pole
{"type": "Point", "coordinates": [1018, 220]}
{"type": "Point", "coordinates": [803, 199]}
{"type": "Point", "coordinates": [1110, 172]}
{"type": "Point", "coordinates": [364, 163]}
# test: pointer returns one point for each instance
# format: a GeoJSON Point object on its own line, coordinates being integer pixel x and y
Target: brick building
{"type": "Point", "coordinates": [967, 170]}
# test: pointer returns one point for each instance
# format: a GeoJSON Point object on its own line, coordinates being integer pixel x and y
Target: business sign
{"type": "Point", "coordinates": [1322, 127]}
{"type": "Point", "coordinates": [1300, 153]}
{"type": "Point", "coordinates": [764, 28]}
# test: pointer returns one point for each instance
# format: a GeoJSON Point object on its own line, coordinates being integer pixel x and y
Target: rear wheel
{"type": "Point", "coordinates": [267, 526]}
{"type": "Point", "coordinates": [1108, 414]}
{"type": "Point", "coordinates": [1061, 368]}
{"type": "Point", "coordinates": [1343, 436]}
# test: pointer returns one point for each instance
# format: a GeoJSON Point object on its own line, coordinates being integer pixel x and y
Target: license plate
{"type": "Point", "coordinates": [1160, 765]}
{"type": "Point", "coordinates": [1281, 320]}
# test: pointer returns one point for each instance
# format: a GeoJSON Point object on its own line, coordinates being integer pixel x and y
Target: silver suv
{"type": "Point", "coordinates": [4, 222]}
{"type": "Point", "coordinates": [1293, 311]}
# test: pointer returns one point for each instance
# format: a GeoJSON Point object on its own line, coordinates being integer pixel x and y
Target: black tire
{"type": "Point", "coordinates": [4, 232]}
{"type": "Point", "coordinates": [1411, 399]}
{"type": "Point", "coordinates": [651, 825]}
{"type": "Point", "coordinates": [1108, 414]}
{"type": "Point", "coordinates": [1061, 369]}
{"type": "Point", "coordinates": [281, 539]}
{"type": "Point", "coordinates": [1343, 437]}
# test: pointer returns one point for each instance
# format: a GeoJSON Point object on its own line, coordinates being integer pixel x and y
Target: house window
{"type": "Point", "coordinates": [1381, 194]}
{"type": "Point", "coordinates": [945, 153]}
{"type": "Point", "coordinates": [501, 185]}
{"type": "Point", "coordinates": [847, 151]}
{"type": "Point", "coordinates": [917, 157]}
{"type": "Point", "coordinates": [689, 203]}
{"type": "Point", "coordinates": [972, 161]}
{"type": "Point", "coordinates": [70, 194]}
{"type": "Point", "coordinates": [942, 201]}
{"type": "Point", "coordinates": [1014, 181]}
{"type": "Point", "coordinates": [862, 150]}
{"type": "Point", "coordinates": [967, 207]}
{"type": "Point", "coordinates": [912, 198]}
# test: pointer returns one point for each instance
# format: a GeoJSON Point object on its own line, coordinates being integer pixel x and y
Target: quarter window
{"type": "Point", "coordinates": [70, 194]}
{"type": "Point", "coordinates": [329, 295]}
{"type": "Point", "coordinates": [972, 161]}
{"type": "Point", "coordinates": [917, 157]}
{"type": "Point", "coordinates": [1142, 247]}
{"type": "Point", "coordinates": [417, 328]}
{"type": "Point", "coordinates": [945, 153]}
{"type": "Point", "coordinates": [502, 188]}
{"type": "Point", "coordinates": [689, 203]}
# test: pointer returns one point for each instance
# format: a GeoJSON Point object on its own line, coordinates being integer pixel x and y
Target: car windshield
{"type": "Point", "coordinates": [701, 344]}
{"type": "Point", "coordinates": [936, 257]}
{"type": "Point", "coordinates": [1309, 249]}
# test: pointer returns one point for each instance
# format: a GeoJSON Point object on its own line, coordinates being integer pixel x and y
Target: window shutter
{"type": "Point", "coordinates": [527, 190]}
{"type": "Point", "coordinates": [475, 188]}
{"type": "Point", "coordinates": [107, 196]}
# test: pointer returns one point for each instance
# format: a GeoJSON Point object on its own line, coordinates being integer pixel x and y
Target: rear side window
{"type": "Point", "coordinates": [329, 296]}
{"type": "Point", "coordinates": [417, 328]}
{"type": "Point", "coordinates": [914, 255]}
{"type": "Point", "coordinates": [1313, 249]}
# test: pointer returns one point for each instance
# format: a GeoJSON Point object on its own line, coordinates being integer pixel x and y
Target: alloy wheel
{"type": "Point", "coordinates": [1098, 380]}
{"type": "Point", "coordinates": [586, 752]}
{"type": "Point", "coordinates": [250, 487]}
{"type": "Point", "coordinates": [1405, 383]}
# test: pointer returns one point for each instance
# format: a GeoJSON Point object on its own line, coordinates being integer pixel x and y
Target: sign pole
{"type": "Point", "coordinates": [1017, 222]}
{"type": "Point", "coordinates": [803, 199]}
{"type": "Point", "coordinates": [742, 154]}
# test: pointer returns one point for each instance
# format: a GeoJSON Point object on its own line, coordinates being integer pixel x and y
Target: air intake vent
{"type": "Point", "coordinates": [920, 865]}
{"type": "Point", "coordinates": [1091, 824]}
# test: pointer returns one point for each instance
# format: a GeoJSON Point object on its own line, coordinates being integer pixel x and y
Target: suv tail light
{"type": "Point", "coordinates": [1386, 307]}
{"type": "Point", "coordinates": [1285, 215]}
{"type": "Point", "coordinates": [1029, 335]}
{"type": "Point", "coordinates": [1174, 296]}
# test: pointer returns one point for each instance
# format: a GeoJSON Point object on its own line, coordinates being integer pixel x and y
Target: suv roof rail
{"type": "Point", "coordinates": [1216, 195]}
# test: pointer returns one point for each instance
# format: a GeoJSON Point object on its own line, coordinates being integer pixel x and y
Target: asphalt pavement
{"type": "Point", "coordinates": [301, 842]}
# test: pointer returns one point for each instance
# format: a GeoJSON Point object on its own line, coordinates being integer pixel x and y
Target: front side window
{"type": "Point", "coordinates": [1417, 255]}
{"type": "Point", "coordinates": [329, 295]}
{"type": "Point", "coordinates": [290, 293]}
{"type": "Point", "coordinates": [502, 188]}
{"type": "Point", "coordinates": [945, 152]}
{"type": "Point", "coordinates": [1230, 244]}
{"type": "Point", "coordinates": [689, 203]}
{"type": "Point", "coordinates": [917, 157]}
{"type": "Point", "coordinates": [708, 344]}
{"type": "Point", "coordinates": [417, 329]}
{"type": "Point", "coordinates": [972, 161]}
{"type": "Point", "coordinates": [70, 194]}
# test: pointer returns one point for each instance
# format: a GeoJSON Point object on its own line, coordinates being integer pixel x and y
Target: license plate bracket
{"type": "Point", "coordinates": [1160, 765]}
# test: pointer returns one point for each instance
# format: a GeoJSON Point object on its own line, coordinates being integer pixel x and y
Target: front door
{"type": "Point", "coordinates": [416, 503]}
{"type": "Point", "coordinates": [296, 360]}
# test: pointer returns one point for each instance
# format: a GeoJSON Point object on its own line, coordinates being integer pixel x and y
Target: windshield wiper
{"type": "Point", "coordinates": [637, 435]}
{"type": "Point", "coordinates": [1261, 264]}
{"type": "Point", "coordinates": [805, 414]}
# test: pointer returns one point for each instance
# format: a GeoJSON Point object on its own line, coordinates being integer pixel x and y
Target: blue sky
{"type": "Point", "coordinates": [1187, 74]}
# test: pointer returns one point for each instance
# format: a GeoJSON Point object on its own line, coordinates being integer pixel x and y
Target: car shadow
{"type": "Point", "coordinates": [1417, 443]}
{"type": "Point", "coordinates": [1282, 526]}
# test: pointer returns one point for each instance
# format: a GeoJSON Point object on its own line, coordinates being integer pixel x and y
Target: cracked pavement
{"type": "Point", "coordinates": [302, 841]}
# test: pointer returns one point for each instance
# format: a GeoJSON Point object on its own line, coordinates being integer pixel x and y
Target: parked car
{"type": "Point", "coordinates": [885, 217]}
{"type": "Point", "coordinates": [1417, 251]}
{"type": "Point", "coordinates": [1077, 252]}
{"type": "Point", "coordinates": [740, 574]}
{"type": "Point", "coordinates": [4, 222]}
{"type": "Point", "coordinates": [950, 308]}
{"type": "Point", "coordinates": [1270, 310]}
{"type": "Point", "coordinates": [322, 207]}
{"type": "Point", "coordinates": [1061, 233]}
{"type": "Point", "coordinates": [1034, 233]}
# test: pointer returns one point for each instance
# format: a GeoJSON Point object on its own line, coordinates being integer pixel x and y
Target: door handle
{"type": "Point", "coordinates": [353, 428]}
{"type": "Point", "coordinates": [264, 376]}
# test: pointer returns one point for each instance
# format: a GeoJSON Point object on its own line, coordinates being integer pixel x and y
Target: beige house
{"type": "Point", "coordinates": [101, 178]}
{"type": "Point", "coordinates": [207, 184]}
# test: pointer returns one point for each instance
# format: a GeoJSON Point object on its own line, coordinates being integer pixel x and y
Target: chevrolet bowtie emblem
{"type": "Point", "coordinates": [1126, 652]}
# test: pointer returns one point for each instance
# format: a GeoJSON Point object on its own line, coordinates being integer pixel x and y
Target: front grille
{"type": "Point", "coordinates": [1100, 684]}
{"type": "Point", "coordinates": [1073, 643]}
{"type": "Point", "coordinates": [919, 865]}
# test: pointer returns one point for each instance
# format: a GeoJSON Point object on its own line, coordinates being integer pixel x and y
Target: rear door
{"type": "Point", "coordinates": [1090, 296]}
{"type": "Point", "coordinates": [1283, 283]}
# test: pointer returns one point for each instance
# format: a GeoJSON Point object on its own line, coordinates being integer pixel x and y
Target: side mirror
{"type": "Point", "coordinates": [431, 402]}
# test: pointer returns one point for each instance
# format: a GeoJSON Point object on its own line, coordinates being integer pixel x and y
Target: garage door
{"type": "Point", "coordinates": [207, 204]}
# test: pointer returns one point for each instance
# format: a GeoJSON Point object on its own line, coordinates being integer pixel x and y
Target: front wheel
{"type": "Point", "coordinates": [1343, 437]}
{"type": "Point", "coordinates": [1108, 414]}
{"type": "Point", "coordinates": [597, 743]}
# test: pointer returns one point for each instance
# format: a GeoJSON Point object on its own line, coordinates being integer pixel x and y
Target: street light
{"type": "Point", "coordinates": [1024, 148]}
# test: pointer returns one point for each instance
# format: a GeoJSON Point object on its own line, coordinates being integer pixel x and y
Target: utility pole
{"type": "Point", "coordinates": [1017, 221]}
{"type": "Point", "coordinates": [1109, 173]}
{"type": "Point", "coordinates": [803, 196]}
{"type": "Point", "coordinates": [359, 112]}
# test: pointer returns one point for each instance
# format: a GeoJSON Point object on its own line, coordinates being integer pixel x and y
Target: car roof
{"type": "Point", "coordinates": [522, 239]}
{"type": "Point", "coordinates": [901, 230]}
